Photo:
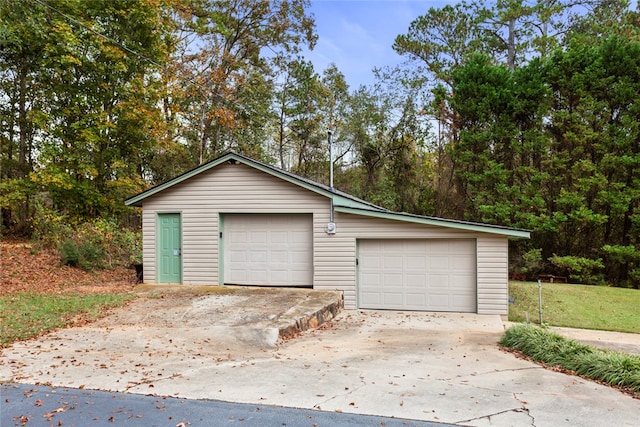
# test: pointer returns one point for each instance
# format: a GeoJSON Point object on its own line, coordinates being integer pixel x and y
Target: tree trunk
{"type": "Point", "coordinates": [511, 48]}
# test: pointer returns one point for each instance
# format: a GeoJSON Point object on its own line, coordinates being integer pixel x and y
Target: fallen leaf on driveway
{"type": "Point", "coordinates": [22, 419]}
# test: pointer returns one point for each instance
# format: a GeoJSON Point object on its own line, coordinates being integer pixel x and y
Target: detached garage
{"type": "Point", "coordinates": [237, 221]}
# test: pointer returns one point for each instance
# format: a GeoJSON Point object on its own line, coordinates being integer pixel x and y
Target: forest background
{"type": "Point", "coordinates": [511, 112]}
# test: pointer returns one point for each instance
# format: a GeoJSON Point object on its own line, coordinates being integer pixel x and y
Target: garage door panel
{"type": "Point", "coordinates": [463, 300]}
{"type": "Point", "coordinates": [391, 281]}
{"type": "Point", "coordinates": [371, 298]}
{"type": "Point", "coordinates": [420, 274]}
{"type": "Point", "coordinates": [393, 299]}
{"type": "Point", "coordinates": [268, 250]}
{"type": "Point", "coordinates": [392, 262]}
{"type": "Point", "coordinates": [237, 236]}
{"type": "Point", "coordinates": [258, 256]}
{"type": "Point", "coordinates": [238, 256]}
{"type": "Point", "coordinates": [459, 281]}
{"type": "Point", "coordinates": [416, 262]}
{"type": "Point", "coordinates": [416, 281]}
{"type": "Point", "coordinates": [279, 275]}
{"type": "Point", "coordinates": [300, 236]}
{"type": "Point", "coordinates": [439, 302]}
{"type": "Point", "coordinates": [279, 256]}
{"type": "Point", "coordinates": [373, 279]}
{"type": "Point", "coordinates": [439, 281]}
{"type": "Point", "coordinates": [299, 257]}
{"type": "Point", "coordinates": [440, 263]}
{"type": "Point", "coordinates": [258, 237]}
{"type": "Point", "coordinates": [418, 299]}
{"type": "Point", "coordinates": [371, 262]}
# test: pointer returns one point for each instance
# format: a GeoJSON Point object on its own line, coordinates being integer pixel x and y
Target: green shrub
{"type": "Point", "coordinates": [532, 262]}
{"type": "Point", "coordinates": [69, 253]}
{"type": "Point", "coordinates": [91, 255]}
{"type": "Point", "coordinates": [582, 270]}
{"type": "Point", "coordinates": [101, 244]}
{"type": "Point", "coordinates": [542, 345]}
{"type": "Point", "coordinates": [48, 227]}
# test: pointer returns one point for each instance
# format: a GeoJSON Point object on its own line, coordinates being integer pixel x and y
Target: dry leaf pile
{"type": "Point", "coordinates": [23, 269]}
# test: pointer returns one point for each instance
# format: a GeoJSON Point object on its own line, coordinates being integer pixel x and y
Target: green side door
{"type": "Point", "coordinates": [169, 249]}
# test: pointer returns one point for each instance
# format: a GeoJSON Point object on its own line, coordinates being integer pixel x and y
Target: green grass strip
{"type": "Point", "coordinates": [577, 306]}
{"type": "Point", "coordinates": [541, 345]}
{"type": "Point", "coordinates": [26, 315]}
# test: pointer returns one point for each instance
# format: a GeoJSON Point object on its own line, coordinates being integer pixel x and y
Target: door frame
{"type": "Point", "coordinates": [159, 246]}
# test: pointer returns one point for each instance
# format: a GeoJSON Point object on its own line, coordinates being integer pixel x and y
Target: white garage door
{"type": "Point", "coordinates": [268, 250]}
{"type": "Point", "coordinates": [429, 275]}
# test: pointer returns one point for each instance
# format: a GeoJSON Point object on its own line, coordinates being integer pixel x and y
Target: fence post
{"type": "Point", "coordinates": [540, 300]}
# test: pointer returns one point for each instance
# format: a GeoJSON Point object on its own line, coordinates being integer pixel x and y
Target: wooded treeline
{"type": "Point", "coordinates": [518, 113]}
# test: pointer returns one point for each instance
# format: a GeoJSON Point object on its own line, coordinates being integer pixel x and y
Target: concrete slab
{"type": "Point", "coordinates": [424, 366]}
{"type": "Point", "coordinates": [243, 315]}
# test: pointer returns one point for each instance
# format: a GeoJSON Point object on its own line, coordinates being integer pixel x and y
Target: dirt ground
{"type": "Point", "coordinates": [25, 269]}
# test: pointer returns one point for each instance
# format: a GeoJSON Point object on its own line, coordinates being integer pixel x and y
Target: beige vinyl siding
{"type": "Point", "coordinates": [336, 256]}
{"type": "Point", "coordinates": [493, 275]}
{"type": "Point", "coordinates": [201, 199]}
{"type": "Point", "coordinates": [149, 245]}
{"type": "Point", "coordinates": [334, 261]}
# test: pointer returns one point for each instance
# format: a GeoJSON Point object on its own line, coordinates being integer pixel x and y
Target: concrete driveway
{"type": "Point", "coordinates": [424, 366]}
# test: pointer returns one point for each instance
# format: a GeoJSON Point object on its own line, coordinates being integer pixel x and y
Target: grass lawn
{"type": "Point", "coordinates": [577, 306]}
{"type": "Point", "coordinates": [26, 315]}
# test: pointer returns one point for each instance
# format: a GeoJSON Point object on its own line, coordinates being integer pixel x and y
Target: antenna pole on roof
{"type": "Point", "coordinates": [330, 160]}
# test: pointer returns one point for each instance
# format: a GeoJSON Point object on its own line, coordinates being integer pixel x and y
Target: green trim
{"type": "Point", "coordinates": [475, 255]}
{"type": "Point", "coordinates": [358, 284]}
{"type": "Point", "coordinates": [438, 222]}
{"type": "Point", "coordinates": [221, 249]}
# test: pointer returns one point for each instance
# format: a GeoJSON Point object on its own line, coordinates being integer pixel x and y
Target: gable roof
{"type": "Point", "coordinates": [338, 197]}
{"type": "Point", "coordinates": [342, 202]}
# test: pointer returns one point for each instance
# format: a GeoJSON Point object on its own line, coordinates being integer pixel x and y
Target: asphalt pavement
{"type": "Point", "coordinates": [42, 406]}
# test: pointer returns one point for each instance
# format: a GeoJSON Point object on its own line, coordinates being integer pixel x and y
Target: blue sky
{"type": "Point", "coordinates": [358, 35]}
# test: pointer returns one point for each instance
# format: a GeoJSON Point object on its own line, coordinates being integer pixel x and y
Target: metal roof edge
{"type": "Point", "coordinates": [440, 222]}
